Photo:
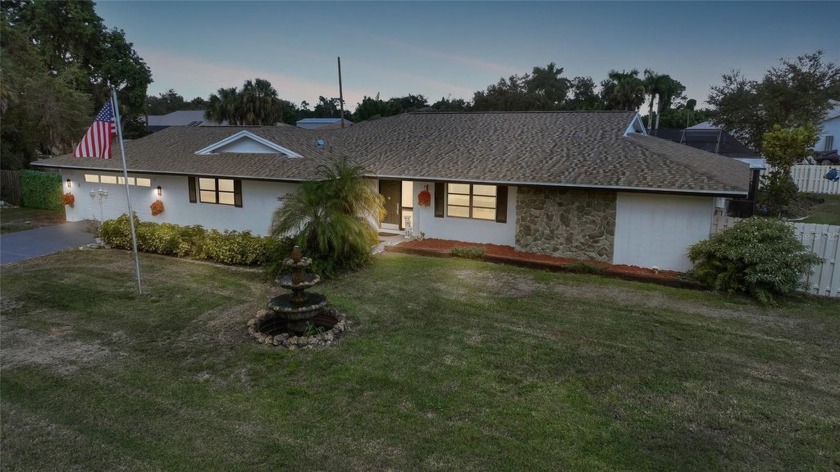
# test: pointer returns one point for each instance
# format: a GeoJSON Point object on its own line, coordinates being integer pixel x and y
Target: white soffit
{"type": "Point", "coordinates": [263, 146]}
{"type": "Point", "coordinates": [636, 126]}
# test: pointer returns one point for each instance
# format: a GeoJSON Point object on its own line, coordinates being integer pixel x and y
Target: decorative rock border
{"type": "Point", "coordinates": [291, 342]}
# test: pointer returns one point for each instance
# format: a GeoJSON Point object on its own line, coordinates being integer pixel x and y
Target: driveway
{"type": "Point", "coordinates": [22, 245]}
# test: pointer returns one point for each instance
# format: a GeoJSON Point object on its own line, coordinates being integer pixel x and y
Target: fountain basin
{"type": "Point", "coordinates": [284, 306]}
{"type": "Point", "coordinates": [307, 281]}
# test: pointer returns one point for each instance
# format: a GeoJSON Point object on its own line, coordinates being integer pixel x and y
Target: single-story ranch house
{"type": "Point", "coordinates": [587, 185]}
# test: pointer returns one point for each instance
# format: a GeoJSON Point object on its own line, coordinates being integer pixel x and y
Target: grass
{"type": "Point", "coordinates": [451, 364]}
{"type": "Point", "coordinates": [827, 212]}
{"type": "Point", "coordinates": [22, 219]}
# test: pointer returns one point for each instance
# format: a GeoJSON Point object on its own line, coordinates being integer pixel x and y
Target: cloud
{"type": "Point", "coordinates": [452, 58]}
{"type": "Point", "coordinates": [193, 77]}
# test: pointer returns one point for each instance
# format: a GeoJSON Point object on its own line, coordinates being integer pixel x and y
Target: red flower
{"type": "Point", "coordinates": [157, 207]}
{"type": "Point", "coordinates": [424, 198]}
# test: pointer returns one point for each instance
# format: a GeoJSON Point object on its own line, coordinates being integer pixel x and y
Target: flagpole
{"type": "Point", "coordinates": [116, 106]}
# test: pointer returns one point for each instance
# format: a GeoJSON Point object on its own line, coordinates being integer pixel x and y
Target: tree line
{"type": "Point", "coordinates": [543, 89]}
{"type": "Point", "coordinates": [59, 61]}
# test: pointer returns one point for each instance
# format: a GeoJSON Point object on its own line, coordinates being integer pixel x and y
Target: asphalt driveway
{"type": "Point", "coordinates": [23, 245]}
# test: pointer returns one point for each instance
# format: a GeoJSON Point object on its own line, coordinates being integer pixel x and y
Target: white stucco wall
{"type": "Point", "coordinates": [259, 200]}
{"type": "Point", "coordinates": [832, 128]}
{"type": "Point", "coordinates": [463, 229]}
{"type": "Point", "coordinates": [656, 230]}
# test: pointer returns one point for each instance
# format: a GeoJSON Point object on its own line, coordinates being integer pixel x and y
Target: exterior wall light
{"type": "Point", "coordinates": [159, 191]}
{"type": "Point", "coordinates": [69, 184]}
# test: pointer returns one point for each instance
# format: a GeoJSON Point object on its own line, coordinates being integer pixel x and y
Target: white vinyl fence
{"type": "Point", "coordinates": [823, 240]}
{"type": "Point", "coordinates": [811, 179]}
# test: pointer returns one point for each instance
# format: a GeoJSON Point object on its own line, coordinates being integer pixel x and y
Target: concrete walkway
{"type": "Point", "coordinates": [23, 245]}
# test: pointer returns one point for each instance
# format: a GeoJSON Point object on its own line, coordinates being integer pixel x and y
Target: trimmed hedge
{"type": "Point", "coordinates": [41, 190]}
{"type": "Point", "coordinates": [229, 247]}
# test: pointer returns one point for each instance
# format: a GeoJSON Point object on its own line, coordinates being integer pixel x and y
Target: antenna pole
{"type": "Point", "coordinates": [340, 93]}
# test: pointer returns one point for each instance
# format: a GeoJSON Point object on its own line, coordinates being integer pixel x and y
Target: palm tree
{"type": "Point", "coordinates": [653, 85]}
{"type": "Point", "coordinates": [261, 106]}
{"type": "Point", "coordinates": [224, 106]}
{"type": "Point", "coordinates": [331, 218]}
{"type": "Point", "coordinates": [623, 90]}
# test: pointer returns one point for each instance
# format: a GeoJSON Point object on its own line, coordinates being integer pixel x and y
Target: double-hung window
{"type": "Point", "coordinates": [216, 190]}
{"type": "Point", "coordinates": [471, 201]}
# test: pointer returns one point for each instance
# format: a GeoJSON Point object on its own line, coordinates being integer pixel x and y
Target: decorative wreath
{"type": "Point", "coordinates": [69, 199]}
{"type": "Point", "coordinates": [157, 207]}
{"type": "Point", "coordinates": [424, 198]}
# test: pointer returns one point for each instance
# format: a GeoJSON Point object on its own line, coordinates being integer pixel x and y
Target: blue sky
{"type": "Point", "coordinates": [453, 49]}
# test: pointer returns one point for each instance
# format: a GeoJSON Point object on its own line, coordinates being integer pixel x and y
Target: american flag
{"type": "Point", "coordinates": [97, 140]}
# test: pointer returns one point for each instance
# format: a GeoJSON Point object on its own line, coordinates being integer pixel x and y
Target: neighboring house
{"type": "Point", "coordinates": [709, 137]}
{"type": "Point", "coordinates": [324, 123]}
{"type": "Point", "coordinates": [179, 118]}
{"type": "Point", "coordinates": [830, 129]}
{"type": "Point", "coordinates": [586, 185]}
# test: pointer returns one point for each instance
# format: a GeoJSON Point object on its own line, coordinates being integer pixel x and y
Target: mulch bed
{"type": "Point", "coordinates": [509, 255]}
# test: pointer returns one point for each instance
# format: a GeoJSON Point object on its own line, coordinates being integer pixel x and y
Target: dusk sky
{"type": "Point", "coordinates": [453, 49]}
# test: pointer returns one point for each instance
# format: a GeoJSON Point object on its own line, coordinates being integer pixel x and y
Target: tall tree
{"type": "Point", "coordinates": [795, 93]}
{"type": "Point", "coordinates": [550, 86]}
{"type": "Point", "coordinates": [544, 89]}
{"type": "Point", "coordinates": [224, 106]}
{"type": "Point", "coordinates": [783, 147]}
{"type": "Point", "coordinates": [61, 59]}
{"type": "Point", "coordinates": [664, 90]}
{"type": "Point", "coordinates": [623, 90]}
{"type": "Point", "coordinates": [584, 96]}
{"type": "Point", "coordinates": [260, 103]}
{"type": "Point", "coordinates": [42, 112]}
{"type": "Point", "coordinates": [450, 104]}
{"type": "Point", "coordinates": [256, 103]}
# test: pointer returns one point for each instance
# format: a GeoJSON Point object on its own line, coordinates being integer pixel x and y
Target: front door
{"type": "Point", "coordinates": [390, 189]}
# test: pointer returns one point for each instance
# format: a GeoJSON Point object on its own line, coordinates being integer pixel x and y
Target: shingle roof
{"type": "Point", "coordinates": [580, 149]}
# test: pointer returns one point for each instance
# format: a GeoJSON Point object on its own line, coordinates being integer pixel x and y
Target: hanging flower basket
{"type": "Point", "coordinates": [424, 198]}
{"type": "Point", "coordinates": [157, 207]}
{"type": "Point", "coordinates": [69, 199]}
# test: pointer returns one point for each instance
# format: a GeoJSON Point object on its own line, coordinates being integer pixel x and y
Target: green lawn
{"type": "Point", "coordinates": [451, 364]}
{"type": "Point", "coordinates": [826, 213]}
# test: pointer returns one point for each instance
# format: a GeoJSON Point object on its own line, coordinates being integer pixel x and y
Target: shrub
{"type": "Point", "coordinates": [585, 267]}
{"type": "Point", "coordinates": [229, 247]}
{"type": "Point", "coordinates": [758, 256]}
{"type": "Point", "coordinates": [117, 233]}
{"type": "Point", "coordinates": [468, 252]}
{"type": "Point", "coordinates": [237, 248]}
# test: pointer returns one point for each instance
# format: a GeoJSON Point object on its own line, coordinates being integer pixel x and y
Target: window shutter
{"type": "Point", "coordinates": [501, 203]}
{"type": "Point", "coordinates": [440, 199]}
{"type": "Point", "coordinates": [829, 143]}
{"type": "Point", "coordinates": [191, 184]}
{"type": "Point", "coordinates": [237, 193]}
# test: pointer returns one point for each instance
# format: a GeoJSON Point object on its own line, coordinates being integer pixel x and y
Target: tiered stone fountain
{"type": "Point", "coordinates": [300, 318]}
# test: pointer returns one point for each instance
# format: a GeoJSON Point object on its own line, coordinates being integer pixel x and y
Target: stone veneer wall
{"type": "Point", "coordinates": [570, 223]}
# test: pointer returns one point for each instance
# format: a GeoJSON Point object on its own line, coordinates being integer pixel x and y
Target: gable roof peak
{"type": "Point", "coordinates": [236, 142]}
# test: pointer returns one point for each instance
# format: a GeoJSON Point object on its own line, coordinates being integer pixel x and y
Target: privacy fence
{"type": "Point", "coordinates": [823, 240]}
{"type": "Point", "coordinates": [10, 189]}
{"type": "Point", "coordinates": [811, 179]}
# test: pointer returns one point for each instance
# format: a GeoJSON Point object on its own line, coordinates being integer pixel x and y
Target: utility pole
{"type": "Point", "coordinates": [340, 93]}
